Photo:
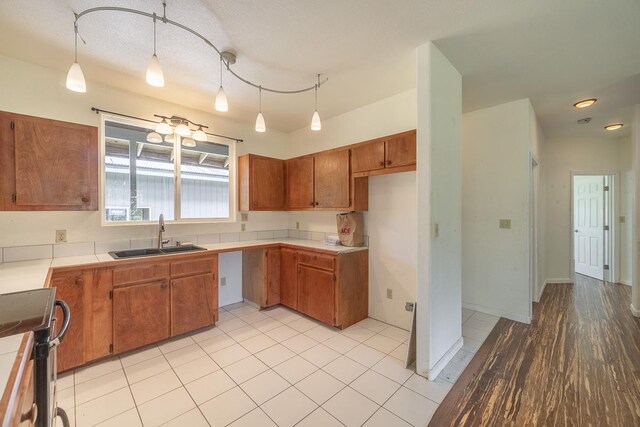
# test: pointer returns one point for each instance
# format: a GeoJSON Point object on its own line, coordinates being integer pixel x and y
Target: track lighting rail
{"type": "Point", "coordinates": [166, 20]}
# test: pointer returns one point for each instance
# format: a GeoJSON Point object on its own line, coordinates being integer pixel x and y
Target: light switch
{"type": "Point", "coordinates": [244, 216]}
{"type": "Point", "coordinates": [505, 223]}
{"type": "Point", "coordinates": [389, 293]}
{"type": "Point", "coordinates": [243, 227]}
{"type": "Point", "coordinates": [623, 220]}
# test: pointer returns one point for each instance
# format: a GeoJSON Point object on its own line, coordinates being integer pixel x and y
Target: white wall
{"type": "Point", "coordinates": [561, 157]}
{"type": "Point", "coordinates": [38, 91]}
{"type": "Point", "coordinates": [537, 220]}
{"type": "Point", "coordinates": [635, 235]}
{"type": "Point", "coordinates": [391, 219]}
{"type": "Point", "coordinates": [495, 185]}
{"type": "Point", "coordinates": [438, 317]}
{"type": "Point", "coordinates": [230, 267]}
{"type": "Point", "coordinates": [626, 209]}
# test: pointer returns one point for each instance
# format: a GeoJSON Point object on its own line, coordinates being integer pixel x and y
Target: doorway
{"type": "Point", "coordinates": [593, 232]}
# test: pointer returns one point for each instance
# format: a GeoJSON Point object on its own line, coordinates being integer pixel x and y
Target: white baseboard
{"type": "Point", "coordinates": [626, 282]}
{"type": "Point", "coordinates": [507, 314]}
{"type": "Point", "coordinates": [634, 311]}
{"type": "Point", "coordinates": [439, 366]}
{"type": "Point", "coordinates": [558, 281]}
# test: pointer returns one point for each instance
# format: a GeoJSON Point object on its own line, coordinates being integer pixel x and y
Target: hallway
{"type": "Point", "coordinates": [577, 364]}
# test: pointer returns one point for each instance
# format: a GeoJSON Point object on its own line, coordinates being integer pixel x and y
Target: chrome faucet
{"type": "Point", "coordinates": [161, 242]}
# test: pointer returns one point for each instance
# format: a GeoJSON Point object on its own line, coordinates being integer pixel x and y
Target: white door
{"type": "Point", "coordinates": [588, 222]}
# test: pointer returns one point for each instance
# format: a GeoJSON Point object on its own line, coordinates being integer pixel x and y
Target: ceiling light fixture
{"type": "Point", "coordinates": [199, 135]}
{"type": "Point", "coordinates": [183, 130]}
{"type": "Point", "coordinates": [188, 142]}
{"type": "Point", "coordinates": [75, 76]}
{"type": "Point", "coordinates": [316, 124]}
{"type": "Point", "coordinates": [260, 124]}
{"type": "Point", "coordinates": [164, 128]}
{"type": "Point", "coordinates": [585, 103]}
{"type": "Point", "coordinates": [614, 126]}
{"type": "Point", "coordinates": [155, 76]}
{"type": "Point", "coordinates": [154, 137]}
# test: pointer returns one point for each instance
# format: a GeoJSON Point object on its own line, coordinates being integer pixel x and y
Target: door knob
{"type": "Point", "coordinates": [575, 231]}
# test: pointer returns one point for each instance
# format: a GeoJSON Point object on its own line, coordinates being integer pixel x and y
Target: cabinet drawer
{"type": "Point", "coordinates": [140, 273]}
{"type": "Point", "coordinates": [192, 266]}
{"type": "Point", "coordinates": [316, 260]}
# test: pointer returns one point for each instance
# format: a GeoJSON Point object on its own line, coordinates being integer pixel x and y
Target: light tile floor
{"type": "Point", "coordinates": [267, 368]}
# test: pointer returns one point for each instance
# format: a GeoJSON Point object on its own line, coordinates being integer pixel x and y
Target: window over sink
{"type": "Point", "coordinates": [187, 181]}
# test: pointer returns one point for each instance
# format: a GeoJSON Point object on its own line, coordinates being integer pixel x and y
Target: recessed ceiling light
{"type": "Point", "coordinates": [614, 126]}
{"type": "Point", "coordinates": [585, 103]}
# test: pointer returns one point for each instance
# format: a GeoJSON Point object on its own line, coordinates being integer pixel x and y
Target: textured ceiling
{"type": "Point", "coordinates": [552, 52]}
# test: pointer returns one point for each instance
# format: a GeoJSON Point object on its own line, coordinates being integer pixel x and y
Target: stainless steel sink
{"type": "Point", "coordinates": [136, 253]}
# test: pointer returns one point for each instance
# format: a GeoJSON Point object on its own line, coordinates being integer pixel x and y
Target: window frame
{"type": "Point", "coordinates": [233, 196]}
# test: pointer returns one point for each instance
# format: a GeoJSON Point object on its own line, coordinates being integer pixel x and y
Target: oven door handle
{"type": "Point", "coordinates": [66, 317]}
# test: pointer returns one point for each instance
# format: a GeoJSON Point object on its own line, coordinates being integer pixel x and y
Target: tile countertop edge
{"type": "Point", "coordinates": [24, 275]}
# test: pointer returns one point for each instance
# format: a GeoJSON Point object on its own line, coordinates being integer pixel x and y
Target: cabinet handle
{"type": "Point", "coordinates": [79, 281]}
{"type": "Point", "coordinates": [164, 285]}
{"type": "Point", "coordinates": [313, 204]}
{"type": "Point", "coordinates": [380, 163]}
{"type": "Point", "coordinates": [85, 199]}
{"type": "Point", "coordinates": [316, 203]}
{"type": "Point", "coordinates": [388, 162]}
{"type": "Point", "coordinates": [31, 415]}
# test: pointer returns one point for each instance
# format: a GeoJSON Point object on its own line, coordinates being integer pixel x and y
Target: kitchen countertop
{"type": "Point", "coordinates": [24, 275]}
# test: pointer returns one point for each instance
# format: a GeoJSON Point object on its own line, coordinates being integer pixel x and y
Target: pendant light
{"type": "Point", "coordinates": [316, 124]}
{"type": "Point", "coordinates": [260, 124]}
{"type": "Point", "coordinates": [199, 135]}
{"type": "Point", "coordinates": [222, 103]}
{"type": "Point", "coordinates": [164, 128]}
{"type": "Point", "coordinates": [171, 138]}
{"type": "Point", "coordinates": [155, 77]}
{"type": "Point", "coordinates": [75, 76]}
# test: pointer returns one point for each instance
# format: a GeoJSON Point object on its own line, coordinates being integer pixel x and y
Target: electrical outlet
{"type": "Point", "coordinates": [623, 220]}
{"type": "Point", "coordinates": [61, 236]}
{"type": "Point", "coordinates": [243, 227]}
{"type": "Point", "coordinates": [505, 223]}
{"type": "Point", "coordinates": [223, 281]}
{"type": "Point", "coordinates": [297, 226]}
{"type": "Point", "coordinates": [244, 216]}
{"type": "Point", "coordinates": [389, 293]}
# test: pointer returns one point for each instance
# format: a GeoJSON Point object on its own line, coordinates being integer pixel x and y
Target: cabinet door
{"type": "Point", "coordinates": [71, 288]}
{"type": "Point", "coordinates": [194, 301]}
{"type": "Point", "coordinates": [55, 165]}
{"type": "Point", "coordinates": [299, 176]}
{"type": "Point", "coordinates": [272, 292]}
{"type": "Point", "coordinates": [367, 157]}
{"type": "Point", "coordinates": [288, 277]}
{"type": "Point", "coordinates": [316, 293]}
{"type": "Point", "coordinates": [140, 315]}
{"type": "Point", "coordinates": [401, 150]}
{"type": "Point", "coordinates": [332, 179]}
{"type": "Point", "coordinates": [266, 184]}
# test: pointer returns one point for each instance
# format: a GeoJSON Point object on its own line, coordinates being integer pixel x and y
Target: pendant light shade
{"type": "Point", "coordinates": [222, 104]}
{"type": "Point", "coordinates": [75, 79]}
{"type": "Point", "coordinates": [199, 135]}
{"type": "Point", "coordinates": [188, 142]}
{"type": "Point", "coordinates": [260, 125]}
{"type": "Point", "coordinates": [316, 124]}
{"type": "Point", "coordinates": [171, 138]}
{"type": "Point", "coordinates": [154, 137]}
{"type": "Point", "coordinates": [164, 128]}
{"type": "Point", "coordinates": [183, 130]}
{"type": "Point", "coordinates": [155, 77]}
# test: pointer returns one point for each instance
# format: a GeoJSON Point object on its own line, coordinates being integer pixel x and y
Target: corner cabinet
{"type": "Point", "coordinates": [260, 183]}
{"type": "Point", "coordinates": [47, 164]}
{"type": "Point", "coordinates": [390, 154]}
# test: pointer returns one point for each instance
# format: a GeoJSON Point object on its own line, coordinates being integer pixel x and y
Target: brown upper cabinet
{"type": "Point", "coordinates": [390, 154]}
{"type": "Point", "coordinates": [260, 183]}
{"type": "Point", "coordinates": [323, 181]}
{"type": "Point", "coordinates": [47, 164]}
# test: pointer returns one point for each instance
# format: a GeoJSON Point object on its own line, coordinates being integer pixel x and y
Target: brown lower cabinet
{"type": "Point", "coordinates": [140, 315]}
{"type": "Point", "coordinates": [119, 308]}
{"type": "Point", "coordinates": [316, 293]}
{"type": "Point", "coordinates": [288, 277]}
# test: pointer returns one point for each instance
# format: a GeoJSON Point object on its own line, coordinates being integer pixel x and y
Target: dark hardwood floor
{"type": "Point", "coordinates": [577, 364]}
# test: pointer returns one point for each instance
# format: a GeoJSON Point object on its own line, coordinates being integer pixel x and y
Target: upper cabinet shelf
{"type": "Point", "coordinates": [47, 165]}
{"type": "Point", "coordinates": [390, 154]}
